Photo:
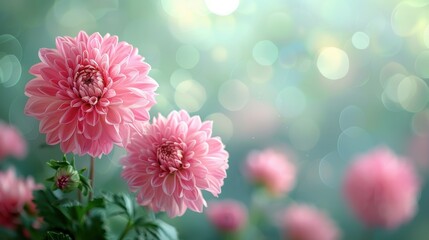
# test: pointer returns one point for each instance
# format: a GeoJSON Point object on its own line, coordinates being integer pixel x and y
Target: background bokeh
{"type": "Point", "coordinates": [324, 80]}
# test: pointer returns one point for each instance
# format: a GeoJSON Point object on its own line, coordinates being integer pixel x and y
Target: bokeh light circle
{"type": "Point", "coordinates": [405, 19]}
{"type": "Point", "coordinates": [10, 70]}
{"type": "Point", "coordinates": [9, 45]}
{"type": "Point", "coordinates": [360, 40]}
{"type": "Point", "coordinates": [333, 63]}
{"type": "Point", "coordinates": [329, 167]}
{"type": "Point", "coordinates": [190, 95]}
{"type": "Point", "coordinates": [413, 94]}
{"type": "Point", "coordinates": [222, 7]}
{"type": "Point", "coordinates": [351, 116]}
{"type": "Point", "coordinates": [422, 64]}
{"type": "Point", "coordinates": [353, 141]}
{"type": "Point", "coordinates": [233, 95]}
{"type": "Point", "coordinates": [265, 52]}
{"type": "Point", "coordinates": [178, 76]}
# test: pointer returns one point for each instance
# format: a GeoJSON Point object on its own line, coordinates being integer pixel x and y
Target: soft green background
{"type": "Point", "coordinates": [324, 80]}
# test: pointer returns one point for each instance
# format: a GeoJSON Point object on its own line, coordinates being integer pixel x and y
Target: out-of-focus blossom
{"type": "Point", "coordinates": [382, 189]}
{"type": "Point", "coordinates": [173, 161]}
{"type": "Point", "coordinates": [11, 142]}
{"type": "Point", "coordinates": [304, 222]}
{"type": "Point", "coordinates": [89, 93]}
{"type": "Point", "coordinates": [227, 215]}
{"type": "Point", "coordinates": [272, 169]}
{"type": "Point", "coordinates": [15, 193]}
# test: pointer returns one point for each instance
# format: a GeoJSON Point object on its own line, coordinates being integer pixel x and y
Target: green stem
{"type": "Point", "coordinates": [126, 230]}
{"type": "Point", "coordinates": [91, 177]}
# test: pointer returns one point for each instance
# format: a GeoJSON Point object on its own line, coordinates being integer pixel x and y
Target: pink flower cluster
{"type": "Point", "coordinates": [11, 142]}
{"type": "Point", "coordinates": [305, 222]}
{"type": "Point", "coordinates": [173, 161]}
{"type": "Point", "coordinates": [272, 169]}
{"type": "Point", "coordinates": [15, 193]}
{"type": "Point", "coordinates": [382, 189]}
{"type": "Point", "coordinates": [89, 93]}
{"type": "Point", "coordinates": [227, 215]}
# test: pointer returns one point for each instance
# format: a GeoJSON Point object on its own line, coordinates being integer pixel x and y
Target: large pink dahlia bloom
{"type": "Point", "coordinates": [173, 161]}
{"type": "Point", "coordinates": [89, 93]}
{"type": "Point", "coordinates": [227, 215]}
{"type": "Point", "coordinates": [15, 193]}
{"type": "Point", "coordinates": [305, 222]}
{"type": "Point", "coordinates": [272, 169]}
{"type": "Point", "coordinates": [11, 142]}
{"type": "Point", "coordinates": [382, 189]}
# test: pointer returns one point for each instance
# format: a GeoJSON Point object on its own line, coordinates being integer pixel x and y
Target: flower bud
{"type": "Point", "coordinates": [66, 179]}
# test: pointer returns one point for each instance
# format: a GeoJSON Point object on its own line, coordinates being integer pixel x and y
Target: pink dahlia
{"type": "Point", "coordinates": [15, 193]}
{"type": "Point", "coordinates": [303, 222]}
{"type": "Point", "coordinates": [89, 93]}
{"type": "Point", "coordinates": [382, 189]}
{"type": "Point", "coordinates": [272, 169]}
{"type": "Point", "coordinates": [173, 161]}
{"type": "Point", "coordinates": [11, 142]}
{"type": "Point", "coordinates": [227, 215]}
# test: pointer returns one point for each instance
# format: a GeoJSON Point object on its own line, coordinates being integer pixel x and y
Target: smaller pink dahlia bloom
{"type": "Point", "coordinates": [304, 222]}
{"type": "Point", "coordinates": [272, 169]}
{"type": "Point", "coordinates": [173, 161]}
{"type": "Point", "coordinates": [227, 215]}
{"type": "Point", "coordinates": [15, 193]}
{"type": "Point", "coordinates": [382, 189]}
{"type": "Point", "coordinates": [89, 93]}
{"type": "Point", "coordinates": [11, 142]}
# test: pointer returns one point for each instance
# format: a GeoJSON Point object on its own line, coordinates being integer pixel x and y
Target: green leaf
{"type": "Point", "coordinates": [96, 203]}
{"type": "Point", "coordinates": [95, 227]}
{"type": "Point", "coordinates": [157, 229]}
{"type": "Point", "coordinates": [50, 235]}
{"type": "Point", "coordinates": [46, 203]}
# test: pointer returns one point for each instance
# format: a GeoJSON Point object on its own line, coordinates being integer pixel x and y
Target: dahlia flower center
{"type": "Point", "coordinates": [170, 157]}
{"type": "Point", "coordinates": [89, 83]}
{"type": "Point", "coordinates": [62, 182]}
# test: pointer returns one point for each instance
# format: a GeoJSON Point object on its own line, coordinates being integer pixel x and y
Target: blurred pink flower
{"type": "Point", "coordinates": [15, 193]}
{"type": "Point", "coordinates": [227, 215]}
{"type": "Point", "coordinates": [89, 93]}
{"type": "Point", "coordinates": [303, 222]}
{"type": "Point", "coordinates": [11, 142]}
{"type": "Point", "coordinates": [173, 161]}
{"type": "Point", "coordinates": [272, 169]}
{"type": "Point", "coordinates": [382, 189]}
